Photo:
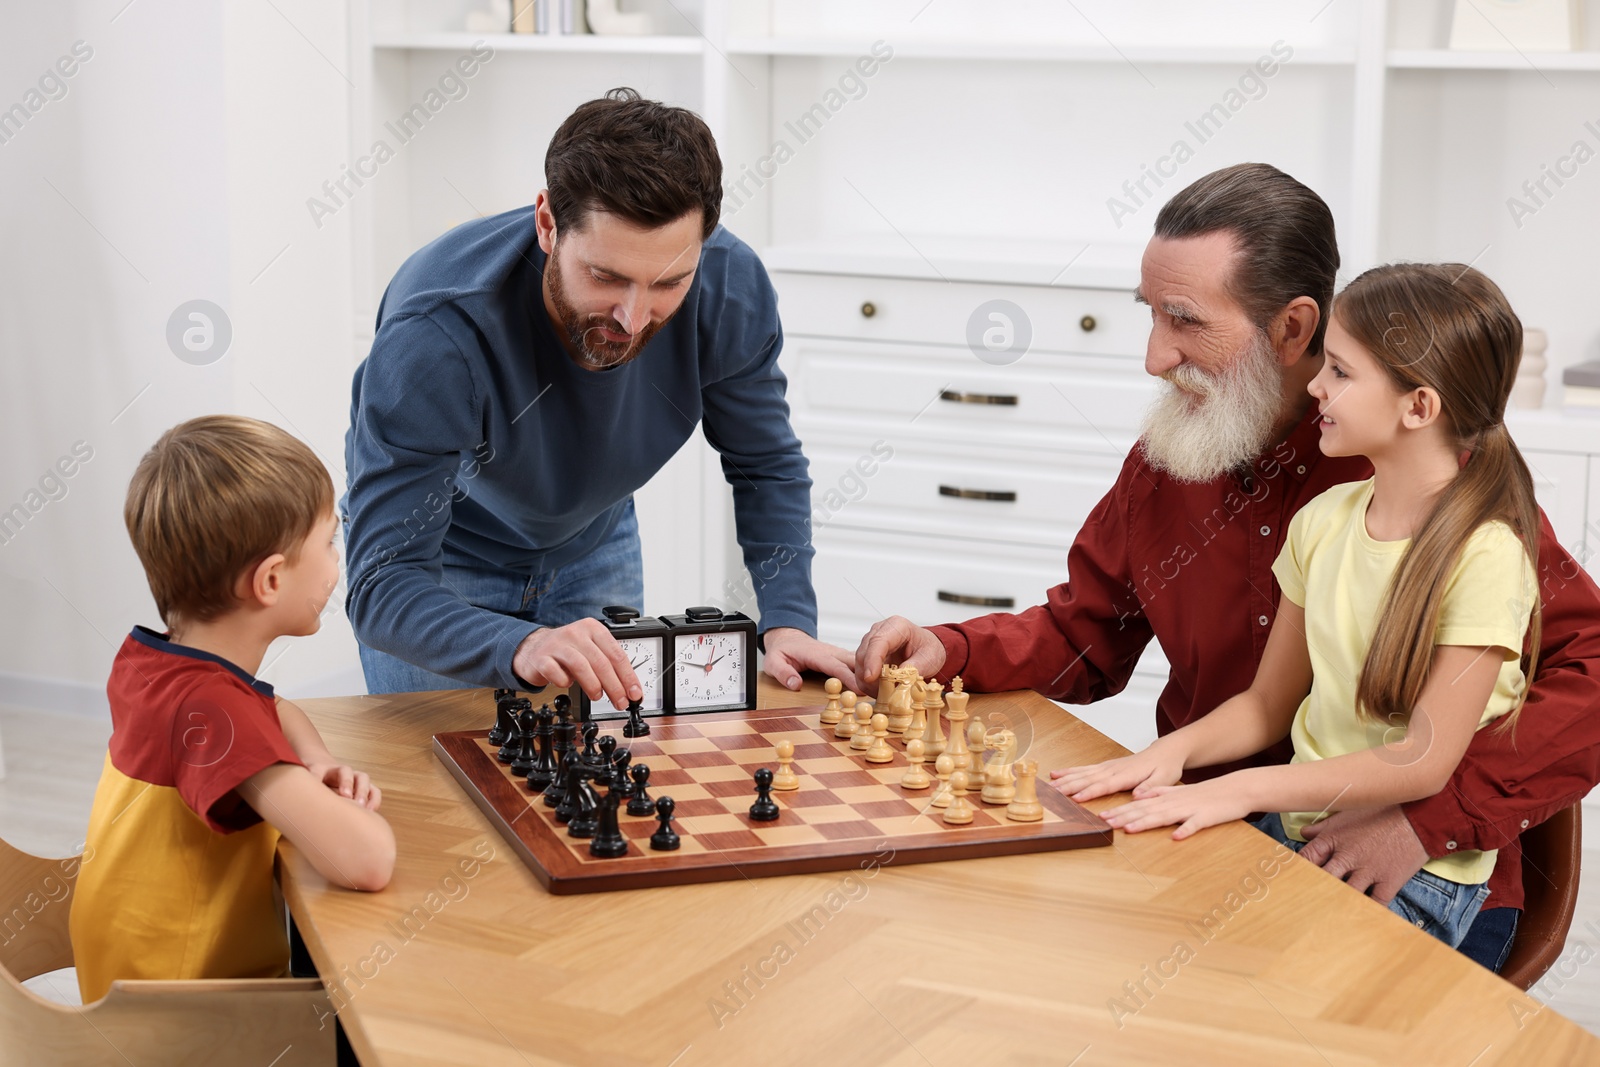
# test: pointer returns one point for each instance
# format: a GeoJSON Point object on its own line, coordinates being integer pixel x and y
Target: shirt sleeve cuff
{"type": "Point", "coordinates": [506, 653]}
{"type": "Point", "coordinates": [955, 652]}
{"type": "Point", "coordinates": [791, 619]}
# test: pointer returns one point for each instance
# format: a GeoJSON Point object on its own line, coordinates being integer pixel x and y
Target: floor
{"type": "Point", "coordinates": [52, 763]}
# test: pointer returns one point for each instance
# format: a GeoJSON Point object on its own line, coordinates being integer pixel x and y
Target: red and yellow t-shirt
{"type": "Point", "coordinates": [177, 874]}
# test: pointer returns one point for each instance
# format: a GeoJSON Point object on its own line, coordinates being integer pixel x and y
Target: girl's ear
{"type": "Point", "coordinates": [1421, 408]}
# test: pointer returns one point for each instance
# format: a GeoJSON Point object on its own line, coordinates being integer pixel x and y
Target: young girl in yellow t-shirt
{"type": "Point", "coordinates": [1407, 598]}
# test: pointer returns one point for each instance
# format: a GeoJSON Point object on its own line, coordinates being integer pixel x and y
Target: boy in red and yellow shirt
{"type": "Point", "coordinates": [233, 520]}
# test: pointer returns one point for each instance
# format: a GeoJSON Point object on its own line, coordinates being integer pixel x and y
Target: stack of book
{"type": "Point", "coordinates": [1580, 385]}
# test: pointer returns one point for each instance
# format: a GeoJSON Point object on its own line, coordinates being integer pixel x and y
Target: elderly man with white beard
{"type": "Point", "coordinates": [1239, 278]}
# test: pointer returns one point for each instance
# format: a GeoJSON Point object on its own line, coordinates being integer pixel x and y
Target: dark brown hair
{"type": "Point", "coordinates": [1449, 328]}
{"type": "Point", "coordinates": [1284, 234]}
{"type": "Point", "coordinates": [638, 159]}
{"type": "Point", "coordinates": [213, 497]}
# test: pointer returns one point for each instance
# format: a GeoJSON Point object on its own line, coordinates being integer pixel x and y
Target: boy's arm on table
{"type": "Point", "coordinates": [313, 752]}
{"type": "Point", "coordinates": [346, 842]}
{"type": "Point", "coordinates": [1238, 727]}
{"type": "Point", "coordinates": [1460, 682]}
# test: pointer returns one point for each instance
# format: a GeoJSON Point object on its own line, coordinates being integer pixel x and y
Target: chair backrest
{"type": "Point", "coordinates": [1552, 854]}
{"type": "Point", "coordinates": [35, 902]}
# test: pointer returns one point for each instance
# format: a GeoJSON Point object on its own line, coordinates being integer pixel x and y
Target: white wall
{"type": "Point", "coordinates": [174, 168]}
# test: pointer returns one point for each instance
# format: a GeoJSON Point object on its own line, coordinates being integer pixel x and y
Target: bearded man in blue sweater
{"type": "Point", "coordinates": [530, 372]}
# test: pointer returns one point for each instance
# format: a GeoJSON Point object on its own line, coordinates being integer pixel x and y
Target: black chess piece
{"type": "Point", "coordinates": [543, 771]}
{"type": "Point", "coordinates": [586, 814]}
{"type": "Point", "coordinates": [500, 732]}
{"type": "Point", "coordinates": [665, 839]}
{"type": "Point", "coordinates": [619, 774]}
{"type": "Point", "coordinates": [636, 726]}
{"type": "Point", "coordinates": [565, 755]}
{"type": "Point", "coordinates": [608, 842]}
{"type": "Point", "coordinates": [513, 742]}
{"type": "Point", "coordinates": [522, 761]}
{"type": "Point", "coordinates": [640, 803]}
{"type": "Point", "coordinates": [555, 794]}
{"type": "Point", "coordinates": [591, 754]}
{"type": "Point", "coordinates": [563, 704]}
{"type": "Point", "coordinates": [765, 809]}
{"type": "Point", "coordinates": [608, 754]}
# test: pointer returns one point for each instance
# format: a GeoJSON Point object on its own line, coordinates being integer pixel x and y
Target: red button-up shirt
{"type": "Point", "coordinates": [1191, 566]}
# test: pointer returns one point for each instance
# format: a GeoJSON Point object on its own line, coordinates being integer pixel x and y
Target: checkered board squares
{"type": "Point", "coordinates": [846, 812]}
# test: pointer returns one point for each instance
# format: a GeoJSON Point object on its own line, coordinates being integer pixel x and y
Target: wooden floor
{"type": "Point", "coordinates": [53, 761]}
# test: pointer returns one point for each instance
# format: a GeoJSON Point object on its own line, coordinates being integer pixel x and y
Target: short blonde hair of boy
{"type": "Point", "coordinates": [213, 498]}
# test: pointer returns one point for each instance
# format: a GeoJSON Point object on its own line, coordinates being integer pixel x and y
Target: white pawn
{"type": "Point", "coordinates": [831, 713]}
{"type": "Point", "coordinates": [977, 743]}
{"type": "Point", "coordinates": [959, 810]}
{"type": "Point", "coordinates": [942, 795]}
{"type": "Point", "coordinates": [847, 722]}
{"type": "Point", "coordinates": [916, 776]}
{"type": "Point", "coordinates": [786, 778]}
{"type": "Point", "coordinates": [861, 740]}
{"type": "Point", "coordinates": [878, 750]}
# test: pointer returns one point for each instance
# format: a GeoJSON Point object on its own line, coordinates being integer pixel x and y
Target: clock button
{"type": "Point", "coordinates": [620, 613]}
{"type": "Point", "coordinates": [702, 614]}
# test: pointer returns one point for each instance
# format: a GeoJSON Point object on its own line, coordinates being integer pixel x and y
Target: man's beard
{"type": "Point", "coordinates": [592, 348]}
{"type": "Point", "coordinates": [1199, 440]}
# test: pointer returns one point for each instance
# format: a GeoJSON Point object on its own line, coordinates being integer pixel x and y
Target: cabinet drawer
{"type": "Point", "coordinates": [862, 576]}
{"type": "Point", "coordinates": [989, 496]}
{"type": "Point", "coordinates": [1074, 403]}
{"type": "Point", "coordinates": [1094, 321]}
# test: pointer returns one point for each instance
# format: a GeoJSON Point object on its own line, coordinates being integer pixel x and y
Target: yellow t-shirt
{"type": "Point", "coordinates": [176, 880]}
{"type": "Point", "coordinates": [1333, 568]}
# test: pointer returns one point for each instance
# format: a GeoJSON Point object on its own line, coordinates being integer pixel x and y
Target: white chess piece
{"type": "Point", "coordinates": [786, 779]}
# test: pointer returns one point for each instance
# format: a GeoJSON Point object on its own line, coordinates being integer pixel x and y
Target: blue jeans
{"type": "Point", "coordinates": [1439, 907]}
{"type": "Point", "coordinates": [611, 574]}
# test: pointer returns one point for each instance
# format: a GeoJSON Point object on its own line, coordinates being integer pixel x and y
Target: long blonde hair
{"type": "Point", "coordinates": [1449, 328]}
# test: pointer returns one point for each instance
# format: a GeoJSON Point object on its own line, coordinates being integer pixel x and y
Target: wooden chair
{"type": "Point", "coordinates": [257, 1021]}
{"type": "Point", "coordinates": [1551, 855]}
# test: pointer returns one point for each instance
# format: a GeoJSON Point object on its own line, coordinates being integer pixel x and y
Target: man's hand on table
{"type": "Point", "coordinates": [898, 640]}
{"type": "Point", "coordinates": [1374, 850]}
{"type": "Point", "coordinates": [582, 653]}
{"type": "Point", "coordinates": [790, 651]}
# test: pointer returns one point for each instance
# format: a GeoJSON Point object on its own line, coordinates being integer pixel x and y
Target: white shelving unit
{"type": "Point", "coordinates": [1014, 122]}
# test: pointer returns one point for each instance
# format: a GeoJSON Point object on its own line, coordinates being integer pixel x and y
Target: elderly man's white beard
{"type": "Point", "coordinates": [1231, 423]}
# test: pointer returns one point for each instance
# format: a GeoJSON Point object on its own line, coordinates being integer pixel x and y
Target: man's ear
{"type": "Point", "coordinates": [1422, 408]}
{"type": "Point", "coordinates": [1293, 329]}
{"type": "Point", "coordinates": [544, 222]}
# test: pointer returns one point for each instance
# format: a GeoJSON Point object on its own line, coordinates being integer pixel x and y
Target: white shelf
{"type": "Point", "coordinates": [1444, 59]}
{"type": "Point", "coordinates": [544, 42]}
{"type": "Point", "coordinates": [1046, 52]}
{"type": "Point", "coordinates": [944, 258]}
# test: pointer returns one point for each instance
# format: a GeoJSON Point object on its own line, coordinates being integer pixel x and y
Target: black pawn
{"type": "Point", "coordinates": [765, 809]}
{"type": "Point", "coordinates": [608, 755]}
{"type": "Point", "coordinates": [591, 754]}
{"type": "Point", "coordinates": [500, 732]}
{"type": "Point", "coordinates": [522, 762]}
{"type": "Point", "coordinates": [640, 803]}
{"type": "Point", "coordinates": [608, 841]}
{"type": "Point", "coordinates": [543, 771]}
{"type": "Point", "coordinates": [664, 839]}
{"type": "Point", "coordinates": [619, 774]}
{"type": "Point", "coordinates": [636, 726]}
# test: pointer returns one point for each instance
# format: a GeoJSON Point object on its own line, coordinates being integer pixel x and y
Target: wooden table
{"type": "Point", "coordinates": [1148, 952]}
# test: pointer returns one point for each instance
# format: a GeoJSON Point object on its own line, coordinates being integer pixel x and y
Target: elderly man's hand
{"type": "Point", "coordinates": [1372, 850]}
{"type": "Point", "coordinates": [901, 641]}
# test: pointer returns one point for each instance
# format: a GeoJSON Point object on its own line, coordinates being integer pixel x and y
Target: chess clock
{"type": "Point", "coordinates": [713, 661]}
{"type": "Point", "coordinates": [644, 642]}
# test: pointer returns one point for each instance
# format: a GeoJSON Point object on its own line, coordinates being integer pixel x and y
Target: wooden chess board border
{"type": "Point", "coordinates": [543, 844]}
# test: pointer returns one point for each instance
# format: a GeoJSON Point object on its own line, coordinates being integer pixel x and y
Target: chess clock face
{"type": "Point", "coordinates": [644, 642]}
{"type": "Point", "coordinates": [713, 660]}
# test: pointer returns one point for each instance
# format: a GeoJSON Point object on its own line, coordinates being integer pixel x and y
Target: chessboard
{"type": "Point", "coordinates": [846, 812]}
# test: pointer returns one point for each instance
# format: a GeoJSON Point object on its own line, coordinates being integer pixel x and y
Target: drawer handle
{"type": "Point", "coordinates": [868, 309]}
{"type": "Point", "coordinates": [978, 601]}
{"type": "Point", "coordinates": [1087, 323]}
{"type": "Point", "coordinates": [1004, 495]}
{"type": "Point", "coordinates": [957, 397]}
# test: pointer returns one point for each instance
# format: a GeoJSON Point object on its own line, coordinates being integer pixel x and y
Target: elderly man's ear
{"type": "Point", "coordinates": [1293, 329]}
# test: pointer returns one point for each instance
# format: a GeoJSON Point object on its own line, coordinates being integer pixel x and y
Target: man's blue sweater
{"type": "Point", "coordinates": [476, 440]}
